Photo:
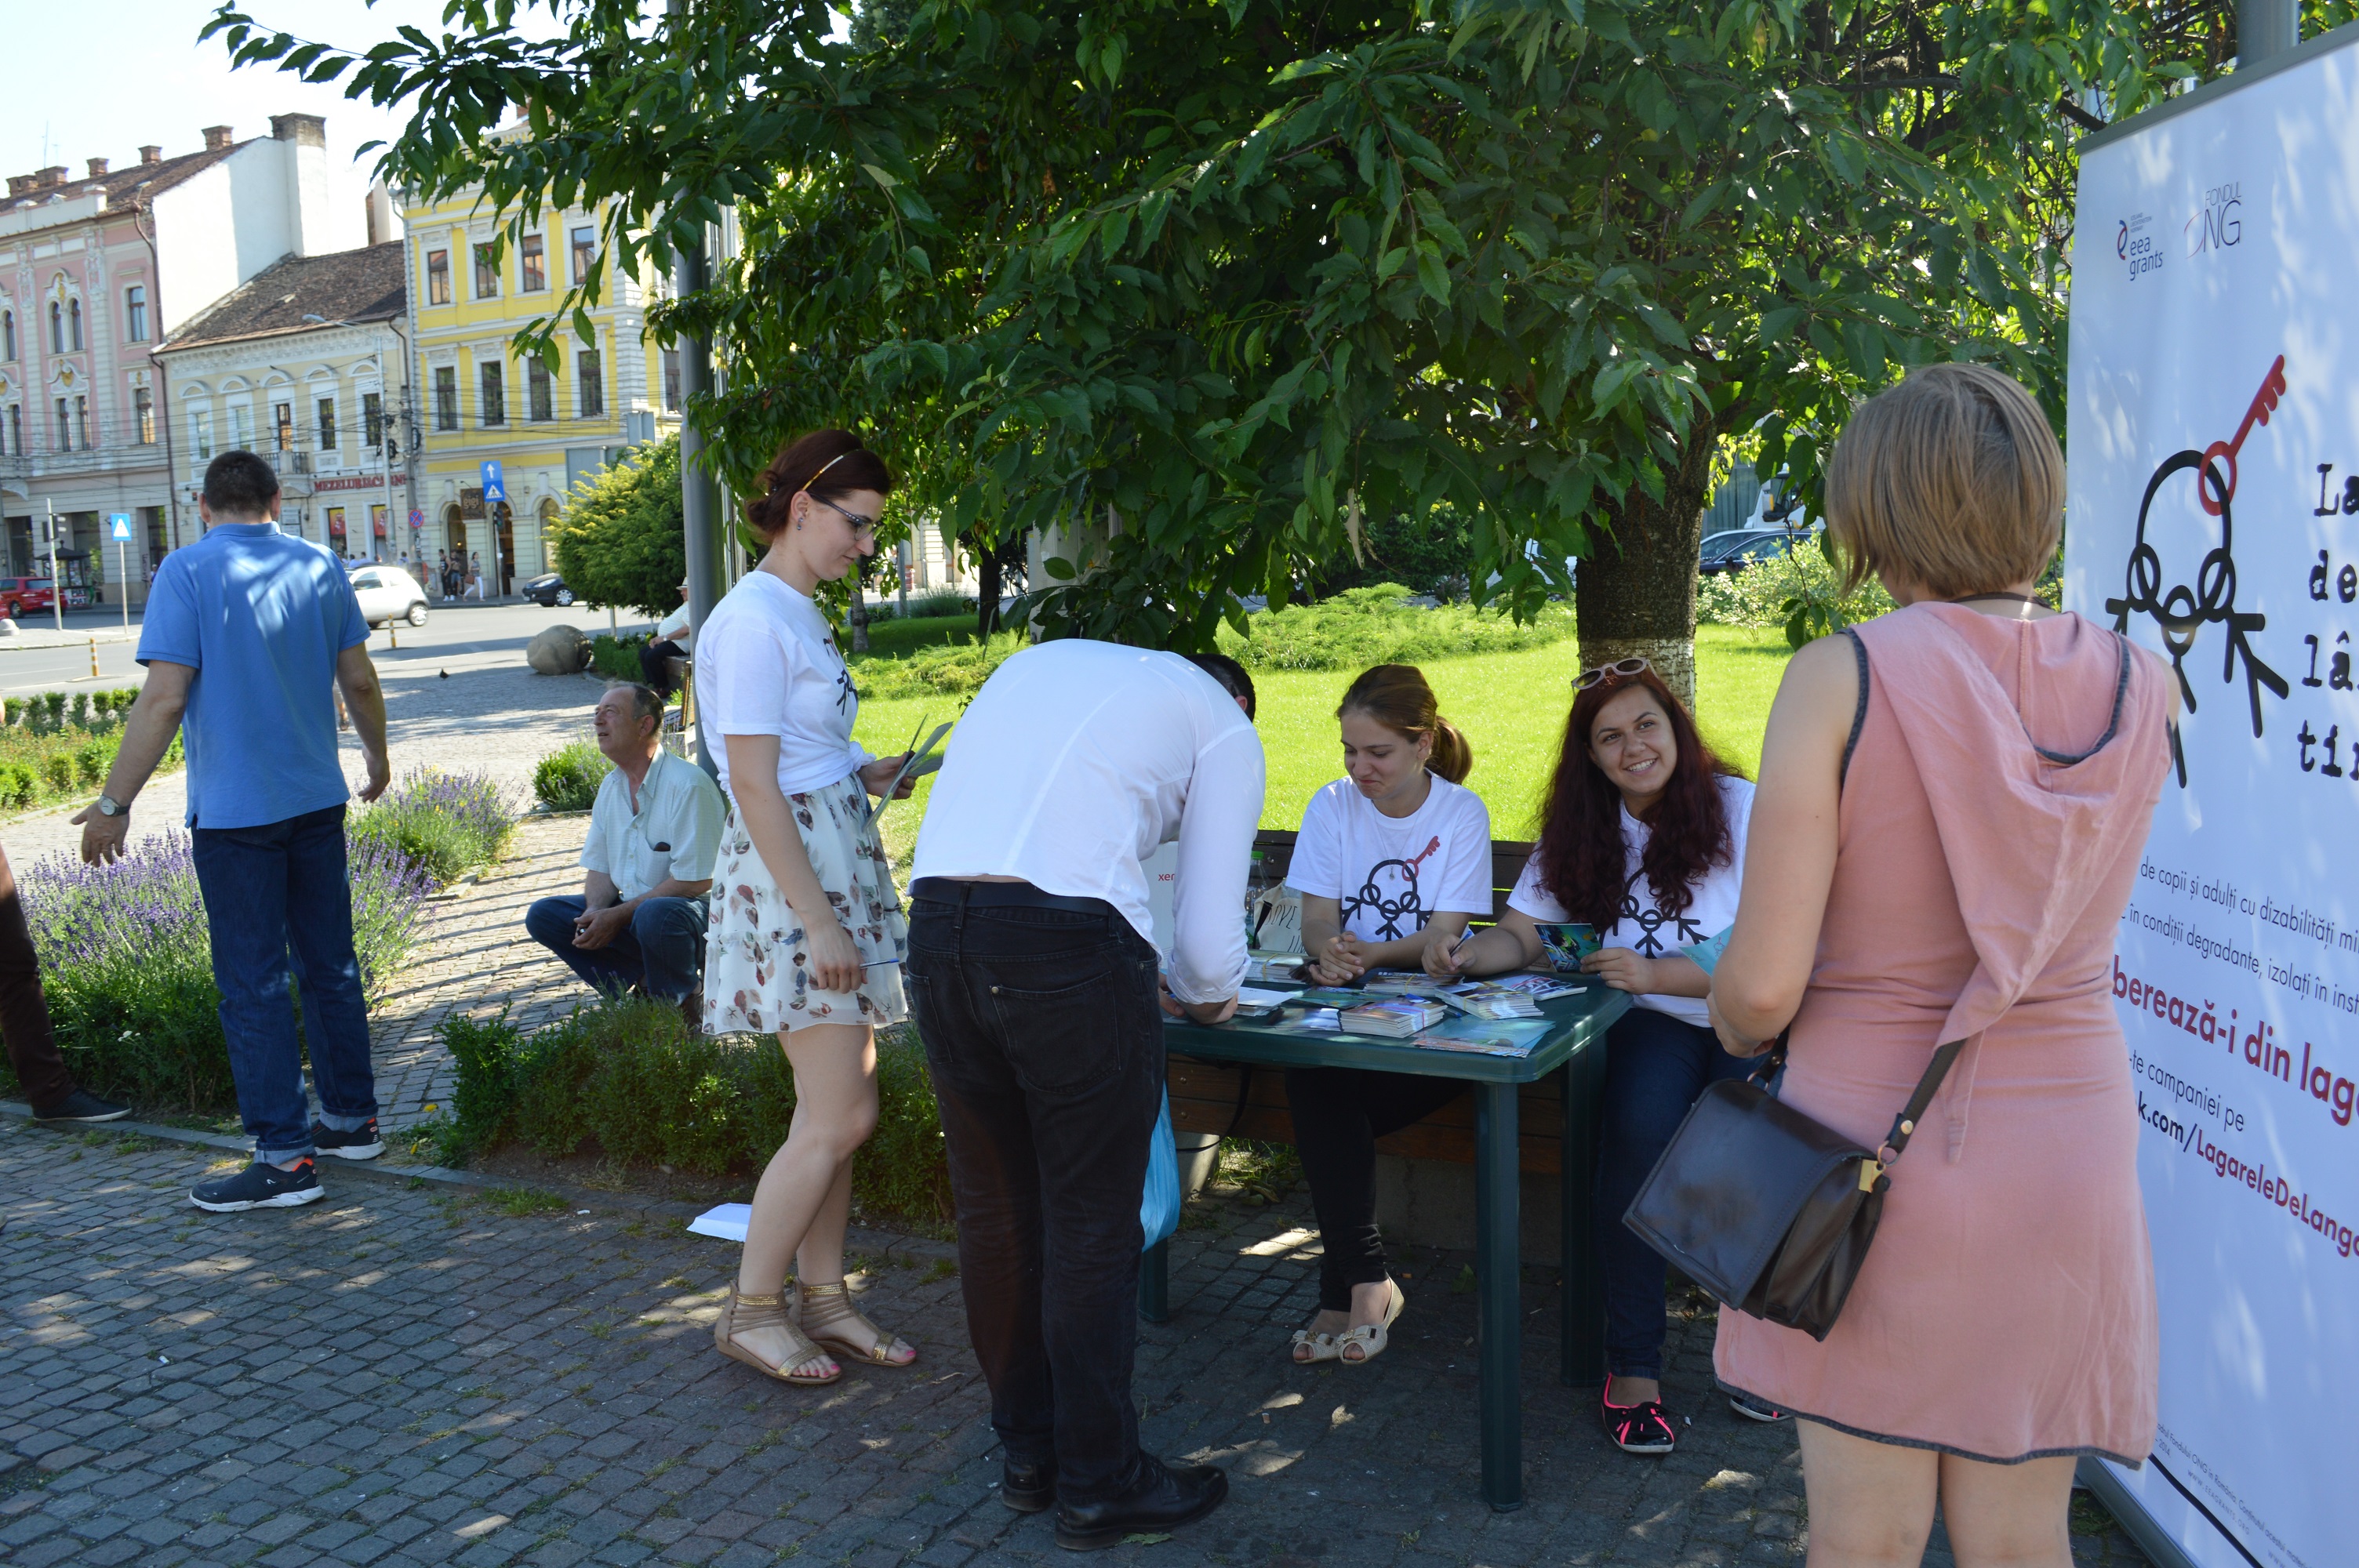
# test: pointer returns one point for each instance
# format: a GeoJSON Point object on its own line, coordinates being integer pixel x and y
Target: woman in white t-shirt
{"type": "Point", "coordinates": [1643, 840]}
{"type": "Point", "coordinates": [806, 935]}
{"type": "Point", "coordinates": [1392, 860]}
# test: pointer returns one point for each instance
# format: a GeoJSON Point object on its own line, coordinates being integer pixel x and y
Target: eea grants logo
{"type": "Point", "coordinates": [2134, 243]}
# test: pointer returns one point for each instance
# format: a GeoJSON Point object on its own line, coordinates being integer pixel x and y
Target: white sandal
{"type": "Point", "coordinates": [1323, 1348]}
{"type": "Point", "coordinates": [1371, 1337]}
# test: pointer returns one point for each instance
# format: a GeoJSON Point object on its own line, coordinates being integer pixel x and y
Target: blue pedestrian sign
{"type": "Point", "coordinates": [495, 487]}
{"type": "Point", "coordinates": [119, 525]}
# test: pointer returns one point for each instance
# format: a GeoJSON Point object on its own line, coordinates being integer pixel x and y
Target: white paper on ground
{"type": "Point", "coordinates": [729, 1222]}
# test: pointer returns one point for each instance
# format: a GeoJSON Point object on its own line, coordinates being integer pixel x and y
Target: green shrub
{"type": "Point", "coordinates": [626, 1079]}
{"type": "Point", "coordinates": [568, 778]}
{"type": "Point", "coordinates": [445, 824]}
{"type": "Point", "coordinates": [941, 603]}
{"type": "Point", "coordinates": [19, 786]}
{"type": "Point", "coordinates": [617, 658]}
{"type": "Point", "coordinates": [58, 767]}
{"type": "Point", "coordinates": [93, 758]}
{"type": "Point", "coordinates": [81, 708]}
{"type": "Point", "coordinates": [54, 703]}
{"type": "Point", "coordinates": [957, 670]}
{"type": "Point", "coordinates": [620, 540]}
{"type": "Point", "coordinates": [1367, 626]}
{"type": "Point", "coordinates": [1773, 592]}
{"type": "Point", "coordinates": [12, 709]}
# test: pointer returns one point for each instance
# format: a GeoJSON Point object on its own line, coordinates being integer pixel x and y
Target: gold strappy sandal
{"type": "Point", "coordinates": [827, 1309]}
{"type": "Point", "coordinates": [740, 1313]}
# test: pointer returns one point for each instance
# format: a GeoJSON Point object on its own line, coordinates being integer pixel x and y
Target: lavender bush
{"type": "Point", "coordinates": [445, 824]}
{"type": "Point", "coordinates": [127, 964]}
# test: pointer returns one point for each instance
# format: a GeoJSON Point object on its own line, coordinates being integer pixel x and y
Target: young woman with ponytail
{"type": "Point", "coordinates": [1392, 861]}
{"type": "Point", "coordinates": [807, 937]}
{"type": "Point", "coordinates": [1642, 838]}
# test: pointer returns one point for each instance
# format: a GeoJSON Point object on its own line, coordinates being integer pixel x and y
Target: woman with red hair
{"type": "Point", "coordinates": [1643, 840]}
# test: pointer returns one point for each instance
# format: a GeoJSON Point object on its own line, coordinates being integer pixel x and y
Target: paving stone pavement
{"type": "Point", "coordinates": [397, 1378]}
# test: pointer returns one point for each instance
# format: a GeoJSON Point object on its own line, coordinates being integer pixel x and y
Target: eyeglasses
{"type": "Point", "coordinates": [859, 525]}
{"type": "Point", "coordinates": [1622, 670]}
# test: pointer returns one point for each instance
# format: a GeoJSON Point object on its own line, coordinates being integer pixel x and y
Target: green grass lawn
{"type": "Point", "coordinates": [1511, 705]}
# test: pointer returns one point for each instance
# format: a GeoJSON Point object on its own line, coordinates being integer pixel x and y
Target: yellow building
{"type": "Point", "coordinates": [547, 426]}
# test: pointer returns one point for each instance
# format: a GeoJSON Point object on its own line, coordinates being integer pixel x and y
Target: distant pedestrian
{"type": "Point", "coordinates": [249, 635]}
{"type": "Point", "coordinates": [675, 637]}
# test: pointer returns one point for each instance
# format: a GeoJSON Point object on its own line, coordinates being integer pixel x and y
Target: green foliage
{"type": "Point", "coordinates": [53, 750]}
{"type": "Point", "coordinates": [952, 670]}
{"type": "Point", "coordinates": [616, 657]}
{"type": "Point", "coordinates": [1432, 553]}
{"type": "Point", "coordinates": [444, 823]}
{"type": "Point", "coordinates": [619, 540]}
{"type": "Point", "coordinates": [624, 1078]}
{"type": "Point", "coordinates": [1800, 590]}
{"type": "Point", "coordinates": [1367, 626]}
{"type": "Point", "coordinates": [568, 778]}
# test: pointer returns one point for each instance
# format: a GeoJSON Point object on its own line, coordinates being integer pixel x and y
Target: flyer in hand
{"type": "Point", "coordinates": [922, 761]}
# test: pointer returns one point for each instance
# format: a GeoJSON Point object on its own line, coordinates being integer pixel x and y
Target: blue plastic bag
{"type": "Point", "coordinates": [1158, 1205]}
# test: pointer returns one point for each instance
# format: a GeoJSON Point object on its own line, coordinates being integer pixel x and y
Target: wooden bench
{"type": "Point", "coordinates": [1242, 1102]}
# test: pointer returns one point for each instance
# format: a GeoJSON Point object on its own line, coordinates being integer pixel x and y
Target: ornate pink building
{"type": "Point", "coordinates": [94, 273]}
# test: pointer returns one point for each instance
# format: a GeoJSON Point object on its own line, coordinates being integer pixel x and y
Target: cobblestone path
{"type": "Point", "coordinates": [400, 1377]}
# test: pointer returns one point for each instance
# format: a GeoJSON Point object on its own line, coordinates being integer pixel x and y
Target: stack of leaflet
{"type": "Point", "coordinates": [1489, 1002]}
{"type": "Point", "coordinates": [1539, 988]}
{"type": "Point", "coordinates": [1396, 1018]}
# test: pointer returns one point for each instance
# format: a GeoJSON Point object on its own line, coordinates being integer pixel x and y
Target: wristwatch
{"type": "Point", "coordinates": [110, 806]}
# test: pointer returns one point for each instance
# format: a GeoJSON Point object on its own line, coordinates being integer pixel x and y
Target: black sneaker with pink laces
{"type": "Point", "coordinates": [1643, 1428]}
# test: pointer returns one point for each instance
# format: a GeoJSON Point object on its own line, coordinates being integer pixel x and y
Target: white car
{"type": "Point", "coordinates": [388, 593]}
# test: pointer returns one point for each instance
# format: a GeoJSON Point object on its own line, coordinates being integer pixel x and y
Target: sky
{"type": "Point", "coordinates": [147, 80]}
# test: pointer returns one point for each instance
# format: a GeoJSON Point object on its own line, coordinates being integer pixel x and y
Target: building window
{"type": "Point", "coordinates": [74, 322]}
{"type": "Point", "coordinates": [201, 435]}
{"type": "Point", "coordinates": [143, 415]}
{"type": "Point", "coordinates": [282, 420]}
{"type": "Point", "coordinates": [7, 334]}
{"type": "Point", "coordinates": [438, 277]}
{"type": "Point", "coordinates": [135, 314]}
{"type": "Point", "coordinates": [591, 383]}
{"type": "Point", "coordinates": [81, 420]}
{"type": "Point", "coordinates": [491, 385]}
{"type": "Point", "coordinates": [536, 276]}
{"type": "Point", "coordinates": [327, 424]}
{"type": "Point", "coordinates": [446, 397]}
{"type": "Point", "coordinates": [586, 253]}
{"type": "Point", "coordinates": [65, 426]}
{"type": "Point", "coordinates": [671, 379]}
{"type": "Point", "coordinates": [540, 400]}
{"type": "Point", "coordinates": [157, 546]}
{"type": "Point", "coordinates": [487, 272]}
{"type": "Point", "coordinates": [12, 440]}
{"type": "Point", "coordinates": [241, 430]}
{"type": "Point", "coordinates": [373, 420]}
{"type": "Point", "coordinates": [57, 327]}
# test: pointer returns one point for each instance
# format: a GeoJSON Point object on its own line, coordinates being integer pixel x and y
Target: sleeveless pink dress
{"type": "Point", "coordinates": [1993, 816]}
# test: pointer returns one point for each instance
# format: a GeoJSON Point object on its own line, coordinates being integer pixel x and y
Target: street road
{"type": "Point", "coordinates": [472, 638]}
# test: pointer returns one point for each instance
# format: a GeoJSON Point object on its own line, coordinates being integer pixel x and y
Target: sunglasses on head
{"type": "Point", "coordinates": [1620, 670]}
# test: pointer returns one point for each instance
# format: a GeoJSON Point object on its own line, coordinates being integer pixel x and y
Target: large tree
{"type": "Point", "coordinates": [1194, 289]}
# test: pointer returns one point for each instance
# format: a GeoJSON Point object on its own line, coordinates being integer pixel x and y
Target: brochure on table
{"type": "Point", "coordinates": [2215, 503]}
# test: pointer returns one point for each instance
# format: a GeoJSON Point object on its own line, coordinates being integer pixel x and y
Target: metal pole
{"type": "Point", "coordinates": [57, 583]}
{"type": "Point", "coordinates": [122, 570]}
{"type": "Point", "coordinates": [1499, 1275]}
{"type": "Point", "coordinates": [2265, 28]}
{"type": "Point", "coordinates": [699, 499]}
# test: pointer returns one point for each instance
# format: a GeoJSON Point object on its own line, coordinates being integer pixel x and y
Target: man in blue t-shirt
{"type": "Point", "coordinates": [248, 634]}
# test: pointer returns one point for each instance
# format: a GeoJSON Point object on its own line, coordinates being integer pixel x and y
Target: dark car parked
{"type": "Point", "coordinates": [548, 591]}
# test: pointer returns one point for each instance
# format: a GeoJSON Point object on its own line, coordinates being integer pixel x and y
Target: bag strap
{"type": "Point", "coordinates": [1904, 1126]}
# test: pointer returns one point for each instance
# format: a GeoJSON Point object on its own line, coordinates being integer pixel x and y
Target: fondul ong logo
{"type": "Point", "coordinates": [2217, 224]}
{"type": "Point", "coordinates": [2134, 245]}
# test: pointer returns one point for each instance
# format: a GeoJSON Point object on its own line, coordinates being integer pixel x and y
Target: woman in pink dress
{"type": "Point", "coordinates": [1951, 810]}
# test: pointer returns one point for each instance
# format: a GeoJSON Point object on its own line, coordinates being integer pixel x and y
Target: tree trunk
{"type": "Point", "coordinates": [987, 593]}
{"type": "Point", "coordinates": [1634, 597]}
{"type": "Point", "coordinates": [859, 617]}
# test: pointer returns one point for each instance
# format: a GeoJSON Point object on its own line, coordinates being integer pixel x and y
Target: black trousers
{"type": "Point", "coordinates": [24, 1028]}
{"type": "Point", "coordinates": [1339, 1113]}
{"type": "Point", "coordinates": [655, 659]}
{"type": "Point", "coordinates": [1045, 1040]}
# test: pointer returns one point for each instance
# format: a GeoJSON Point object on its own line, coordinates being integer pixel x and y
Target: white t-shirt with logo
{"type": "Point", "coordinates": [1646, 928]}
{"type": "Point", "coordinates": [766, 665]}
{"type": "Point", "coordinates": [1391, 874]}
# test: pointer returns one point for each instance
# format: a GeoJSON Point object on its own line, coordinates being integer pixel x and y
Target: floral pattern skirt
{"type": "Point", "coordinates": [755, 981]}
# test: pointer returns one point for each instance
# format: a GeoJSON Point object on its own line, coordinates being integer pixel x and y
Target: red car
{"type": "Point", "coordinates": [18, 594]}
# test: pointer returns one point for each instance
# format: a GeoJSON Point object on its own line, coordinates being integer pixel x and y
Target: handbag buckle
{"type": "Point", "coordinates": [1869, 1171]}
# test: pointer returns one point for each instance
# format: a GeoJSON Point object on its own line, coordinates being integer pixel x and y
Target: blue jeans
{"type": "Point", "coordinates": [271, 892]}
{"type": "Point", "coordinates": [663, 951]}
{"type": "Point", "coordinates": [1656, 1066]}
{"type": "Point", "coordinates": [1045, 1043]}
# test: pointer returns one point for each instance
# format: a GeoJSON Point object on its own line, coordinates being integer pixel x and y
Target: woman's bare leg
{"type": "Point", "coordinates": [2008, 1516]}
{"type": "Point", "coordinates": [1871, 1503]}
{"type": "Point", "coordinates": [835, 1111]}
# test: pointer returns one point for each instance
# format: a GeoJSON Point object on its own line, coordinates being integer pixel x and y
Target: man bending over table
{"type": "Point", "coordinates": [654, 830]}
{"type": "Point", "coordinates": [1032, 973]}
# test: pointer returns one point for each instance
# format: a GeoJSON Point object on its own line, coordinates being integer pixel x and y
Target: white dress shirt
{"type": "Point", "coordinates": [1074, 761]}
{"type": "Point", "coordinates": [676, 832]}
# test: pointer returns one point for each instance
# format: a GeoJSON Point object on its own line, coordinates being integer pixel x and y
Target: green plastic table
{"type": "Point", "coordinates": [1576, 1046]}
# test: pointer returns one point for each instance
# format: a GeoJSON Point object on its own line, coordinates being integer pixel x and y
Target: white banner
{"type": "Point", "coordinates": [2214, 516]}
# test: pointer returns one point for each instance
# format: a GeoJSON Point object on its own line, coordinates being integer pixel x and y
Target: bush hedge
{"type": "Point", "coordinates": [127, 964]}
{"type": "Point", "coordinates": [952, 670]}
{"type": "Point", "coordinates": [1365, 626]}
{"type": "Point", "coordinates": [57, 746]}
{"type": "Point", "coordinates": [626, 1079]}
{"type": "Point", "coordinates": [568, 778]}
{"type": "Point", "coordinates": [445, 824]}
{"type": "Point", "coordinates": [617, 657]}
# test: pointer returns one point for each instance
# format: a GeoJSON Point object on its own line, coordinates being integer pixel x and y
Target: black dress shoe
{"type": "Point", "coordinates": [82, 1106]}
{"type": "Point", "coordinates": [1027, 1488]}
{"type": "Point", "coordinates": [1163, 1496]}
